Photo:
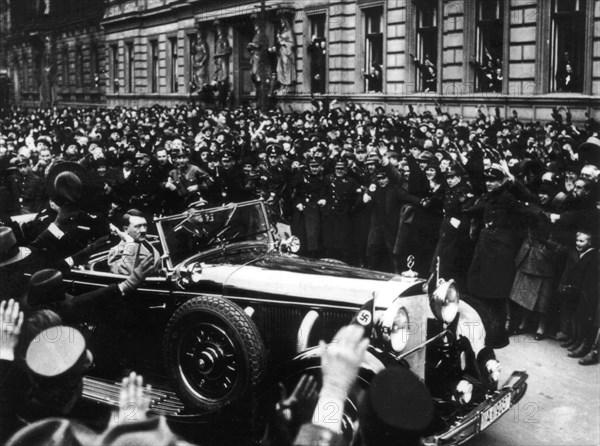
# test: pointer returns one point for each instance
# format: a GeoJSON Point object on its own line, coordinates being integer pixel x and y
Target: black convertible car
{"type": "Point", "coordinates": [230, 303]}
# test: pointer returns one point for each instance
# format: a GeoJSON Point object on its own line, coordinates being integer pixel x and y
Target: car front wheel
{"type": "Point", "coordinates": [213, 352]}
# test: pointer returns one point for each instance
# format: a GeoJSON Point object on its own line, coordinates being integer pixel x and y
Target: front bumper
{"type": "Point", "coordinates": [483, 416]}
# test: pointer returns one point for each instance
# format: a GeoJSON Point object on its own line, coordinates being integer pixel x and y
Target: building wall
{"type": "Point", "coordinates": [526, 54]}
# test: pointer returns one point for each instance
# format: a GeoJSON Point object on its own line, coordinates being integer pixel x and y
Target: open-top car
{"type": "Point", "coordinates": [230, 302]}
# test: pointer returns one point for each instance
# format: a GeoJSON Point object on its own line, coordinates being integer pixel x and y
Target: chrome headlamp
{"type": "Point", "coordinates": [191, 273]}
{"type": "Point", "coordinates": [290, 245]}
{"type": "Point", "coordinates": [394, 326]}
{"type": "Point", "coordinates": [444, 301]}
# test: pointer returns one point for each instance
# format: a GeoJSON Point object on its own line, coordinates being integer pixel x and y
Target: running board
{"type": "Point", "coordinates": [162, 402]}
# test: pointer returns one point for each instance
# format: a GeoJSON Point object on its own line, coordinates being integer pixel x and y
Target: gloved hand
{"type": "Point", "coordinates": [137, 276]}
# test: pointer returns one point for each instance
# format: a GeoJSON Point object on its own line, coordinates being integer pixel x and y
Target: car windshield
{"type": "Point", "coordinates": [194, 231]}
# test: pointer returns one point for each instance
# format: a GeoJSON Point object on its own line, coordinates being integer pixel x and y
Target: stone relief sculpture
{"type": "Point", "coordinates": [201, 57]}
{"type": "Point", "coordinates": [222, 52]}
{"type": "Point", "coordinates": [286, 61]}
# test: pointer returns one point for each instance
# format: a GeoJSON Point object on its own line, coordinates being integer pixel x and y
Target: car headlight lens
{"type": "Point", "coordinates": [463, 392]}
{"type": "Point", "coordinates": [444, 301]}
{"type": "Point", "coordinates": [394, 327]}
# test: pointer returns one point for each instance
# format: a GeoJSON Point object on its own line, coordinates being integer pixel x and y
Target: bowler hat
{"type": "Point", "coordinates": [10, 251]}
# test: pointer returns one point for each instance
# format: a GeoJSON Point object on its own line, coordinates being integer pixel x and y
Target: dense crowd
{"type": "Point", "coordinates": [508, 209]}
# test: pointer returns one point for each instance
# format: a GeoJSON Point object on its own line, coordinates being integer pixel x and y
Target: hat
{"type": "Point", "coordinates": [45, 287]}
{"type": "Point", "coordinates": [10, 251]}
{"type": "Point", "coordinates": [397, 404]}
{"type": "Point", "coordinates": [273, 150]}
{"type": "Point", "coordinates": [341, 164]}
{"type": "Point", "coordinates": [66, 182]}
{"type": "Point", "coordinates": [589, 151]}
{"type": "Point", "coordinates": [381, 173]}
{"type": "Point", "coordinates": [64, 432]}
{"type": "Point", "coordinates": [226, 156]}
{"type": "Point", "coordinates": [494, 174]}
{"type": "Point", "coordinates": [392, 154]}
{"type": "Point", "coordinates": [56, 353]}
{"type": "Point", "coordinates": [426, 156]}
{"type": "Point", "coordinates": [44, 139]}
{"type": "Point", "coordinates": [453, 171]}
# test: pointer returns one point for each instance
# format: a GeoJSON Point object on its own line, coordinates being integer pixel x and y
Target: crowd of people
{"type": "Point", "coordinates": [508, 209]}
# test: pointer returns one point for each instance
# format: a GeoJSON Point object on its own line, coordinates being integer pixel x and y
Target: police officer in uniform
{"type": "Point", "coordinates": [454, 247]}
{"type": "Point", "coordinates": [274, 178]}
{"type": "Point", "coordinates": [145, 184]}
{"type": "Point", "coordinates": [492, 270]}
{"type": "Point", "coordinates": [66, 230]}
{"type": "Point", "coordinates": [309, 189]}
{"type": "Point", "coordinates": [340, 199]}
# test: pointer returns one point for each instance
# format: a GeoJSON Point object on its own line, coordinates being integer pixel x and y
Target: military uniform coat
{"type": "Point", "coordinates": [492, 270]}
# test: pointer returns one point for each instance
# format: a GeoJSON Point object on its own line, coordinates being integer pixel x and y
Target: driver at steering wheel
{"type": "Point", "coordinates": [133, 248]}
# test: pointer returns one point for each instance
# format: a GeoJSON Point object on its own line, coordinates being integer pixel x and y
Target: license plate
{"type": "Point", "coordinates": [491, 414]}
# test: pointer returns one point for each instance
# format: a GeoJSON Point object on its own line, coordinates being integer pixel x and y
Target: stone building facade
{"type": "Point", "coordinates": [522, 55]}
{"type": "Point", "coordinates": [51, 52]}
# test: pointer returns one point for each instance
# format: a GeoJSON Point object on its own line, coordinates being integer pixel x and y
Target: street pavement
{"type": "Point", "coordinates": [562, 403]}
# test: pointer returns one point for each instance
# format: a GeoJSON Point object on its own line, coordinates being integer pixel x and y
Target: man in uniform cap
{"type": "Point", "coordinates": [308, 189]}
{"type": "Point", "coordinates": [341, 196]}
{"type": "Point", "coordinates": [187, 181]}
{"type": "Point", "coordinates": [65, 228]}
{"type": "Point", "coordinates": [454, 248]}
{"type": "Point", "coordinates": [492, 269]}
{"type": "Point", "coordinates": [56, 360]}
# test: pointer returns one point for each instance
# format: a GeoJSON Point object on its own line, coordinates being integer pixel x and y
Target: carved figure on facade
{"type": "Point", "coordinates": [257, 48]}
{"type": "Point", "coordinates": [286, 60]}
{"type": "Point", "coordinates": [200, 58]}
{"type": "Point", "coordinates": [222, 52]}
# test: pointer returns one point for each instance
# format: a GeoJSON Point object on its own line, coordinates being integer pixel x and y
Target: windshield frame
{"type": "Point", "coordinates": [195, 213]}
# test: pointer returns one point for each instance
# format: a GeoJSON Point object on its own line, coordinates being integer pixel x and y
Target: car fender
{"type": "Point", "coordinates": [470, 326]}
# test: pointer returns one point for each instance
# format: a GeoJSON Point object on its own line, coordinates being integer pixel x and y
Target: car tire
{"type": "Point", "coordinates": [214, 353]}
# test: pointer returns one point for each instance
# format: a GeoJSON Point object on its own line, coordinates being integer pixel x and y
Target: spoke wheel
{"type": "Point", "coordinates": [213, 352]}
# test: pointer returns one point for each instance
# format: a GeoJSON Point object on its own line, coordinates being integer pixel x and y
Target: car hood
{"type": "Point", "coordinates": [274, 275]}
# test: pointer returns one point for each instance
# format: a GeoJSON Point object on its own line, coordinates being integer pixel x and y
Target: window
{"type": "Point", "coordinates": [489, 45]}
{"type": "Point", "coordinates": [317, 49]}
{"type": "Point", "coordinates": [173, 63]}
{"type": "Point", "coordinates": [65, 66]}
{"type": "Point", "coordinates": [373, 49]}
{"type": "Point", "coordinates": [115, 66]}
{"type": "Point", "coordinates": [568, 42]}
{"type": "Point", "coordinates": [25, 72]}
{"type": "Point", "coordinates": [427, 44]}
{"type": "Point", "coordinates": [79, 64]}
{"type": "Point", "coordinates": [94, 60]}
{"type": "Point", "coordinates": [130, 67]}
{"type": "Point", "coordinates": [154, 66]}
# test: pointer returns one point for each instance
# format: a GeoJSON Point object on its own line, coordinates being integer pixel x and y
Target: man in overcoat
{"type": "Point", "coordinates": [492, 270]}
